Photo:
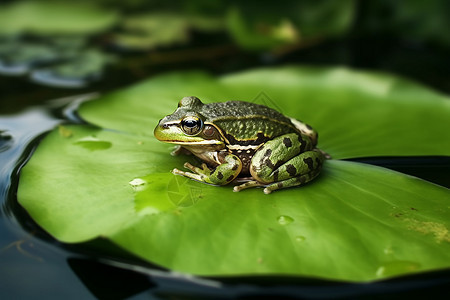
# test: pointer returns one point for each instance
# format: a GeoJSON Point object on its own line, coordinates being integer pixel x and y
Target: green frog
{"type": "Point", "coordinates": [236, 138]}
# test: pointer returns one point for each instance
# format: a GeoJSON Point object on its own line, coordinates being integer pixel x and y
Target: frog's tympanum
{"type": "Point", "coordinates": [237, 138]}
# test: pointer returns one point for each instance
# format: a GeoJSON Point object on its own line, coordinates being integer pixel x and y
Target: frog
{"type": "Point", "coordinates": [243, 142]}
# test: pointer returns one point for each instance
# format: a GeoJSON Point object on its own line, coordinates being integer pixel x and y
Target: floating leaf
{"type": "Point", "coordinates": [54, 17]}
{"type": "Point", "coordinates": [151, 30]}
{"type": "Point", "coordinates": [86, 66]}
{"type": "Point", "coordinates": [355, 222]}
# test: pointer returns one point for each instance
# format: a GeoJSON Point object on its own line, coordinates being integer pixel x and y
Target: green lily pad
{"type": "Point", "coordinates": [54, 17]}
{"type": "Point", "coordinates": [355, 222]}
{"type": "Point", "coordinates": [151, 30]}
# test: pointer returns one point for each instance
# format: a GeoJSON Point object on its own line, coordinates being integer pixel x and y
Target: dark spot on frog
{"type": "Point", "coordinates": [220, 175]}
{"type": "Point", "coordinates": [265, 160]}
{"type": "Point", "coordinates": [230, 178]}
{"type": "Point", "coordinates": [269, 163]}
{"type": "Point", "coordinates": [287, 142]}
{"type": "Point", "coordinates": [309, 161]}
{"type": "Point", "coordinates": [291, 169]}
{"type": "Point", "coordinates": [235, 167]}
{"type": "Point", "coordinates": [302, 179]}
{"type": "Point", "coordinates": [317, 161]}
{"type": "Point", "coordinates": [302, 143]}
{"type": "Point", "coordinates": [309, 127]}
{"type": "Point", "coordinates": [412, 208]}
{"type": "Point", "coordinates": [279, 185]}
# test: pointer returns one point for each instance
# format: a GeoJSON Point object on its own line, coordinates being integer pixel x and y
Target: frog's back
{"type": "Point", "coordinates": [246, 122]}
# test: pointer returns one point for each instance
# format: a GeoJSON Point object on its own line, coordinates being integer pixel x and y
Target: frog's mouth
{"type": "Point", "coordinates": [174, 135]}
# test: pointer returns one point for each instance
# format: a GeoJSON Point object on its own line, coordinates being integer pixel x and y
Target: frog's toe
{"type": "Point", "coordinates": [267, 191]}
{"type": "Point", "coordinates": [189, 166]}
{"type": "Point", "coordinates": [176, 171]}
{"type": "Point", "coordinates": [249, 184]}
{"type": "Point", "coordinates": [276, 186]}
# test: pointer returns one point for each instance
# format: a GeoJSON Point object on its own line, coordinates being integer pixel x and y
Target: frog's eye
{"type": "Point", "coordinates": [191, 125]}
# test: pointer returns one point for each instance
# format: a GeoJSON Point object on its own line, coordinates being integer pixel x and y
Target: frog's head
{"type": "Point", "coordinates": [186, 126]}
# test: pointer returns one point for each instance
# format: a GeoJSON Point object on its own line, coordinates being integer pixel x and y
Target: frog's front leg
{"type": "Point", "coordinates": [180, 150]}
{"type": "Point", "coordinates": [285, 161]}
{"type": "Point", "coordinates": [221, 175]}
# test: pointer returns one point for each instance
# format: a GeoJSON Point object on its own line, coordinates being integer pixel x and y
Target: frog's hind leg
{"type": "Point", "coordinates": [295, 181]}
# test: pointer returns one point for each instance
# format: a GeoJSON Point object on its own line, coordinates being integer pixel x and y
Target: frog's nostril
{"type": "Point", "coordinates": [165, 126]}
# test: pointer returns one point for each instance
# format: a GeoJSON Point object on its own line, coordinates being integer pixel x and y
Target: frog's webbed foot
{"type": "Point", "coordinates": [204, 170]}
{"type": "Point", "coordinates": [198, 174]}
{"type": "Point", "coordinates": [221, 175]}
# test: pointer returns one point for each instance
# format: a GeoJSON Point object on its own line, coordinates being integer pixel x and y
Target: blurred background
{"type": "Point", "coordinates": [56, 49]}
{"type": "Point", "coordinates": [50, 48]}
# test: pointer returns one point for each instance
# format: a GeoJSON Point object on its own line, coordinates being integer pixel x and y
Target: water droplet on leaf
{"type": "Point", "coordinates": [396, 268]}
{"type": "Point", "coordinates": [138, 184]}
{"type": "Point", "coordinates": [388, 250]}
{"type": "Point", "coordinates": [93, 143]}
{"type": "Point", "coordinates": [285, 220]}
{"type": "Point", "coordinates": [64, 131]}
{"type": "Point", "coordinates": [300, 238]}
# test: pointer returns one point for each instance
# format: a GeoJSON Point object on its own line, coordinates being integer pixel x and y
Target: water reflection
{"type": "Point", "coordinates": [5, 141]}
{"type": "Point", "coordinates": [18, 131]}
{"type": "Point", "coordinates": [28, 263]}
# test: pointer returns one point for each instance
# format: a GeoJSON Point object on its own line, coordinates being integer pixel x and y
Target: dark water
{"type": "Point", "coordinates": [33, 265]}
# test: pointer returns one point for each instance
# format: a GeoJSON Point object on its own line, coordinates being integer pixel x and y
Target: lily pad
{"type": "Point", "coordinates": [54, 17]}
{"type": "Point", "coordinates": [151, 30]}
{"type": "Point", "coordinates": [355, 222]}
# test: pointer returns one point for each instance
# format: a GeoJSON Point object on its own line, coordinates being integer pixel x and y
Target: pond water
{"type": "Point", "coordinates": [33, 264]}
